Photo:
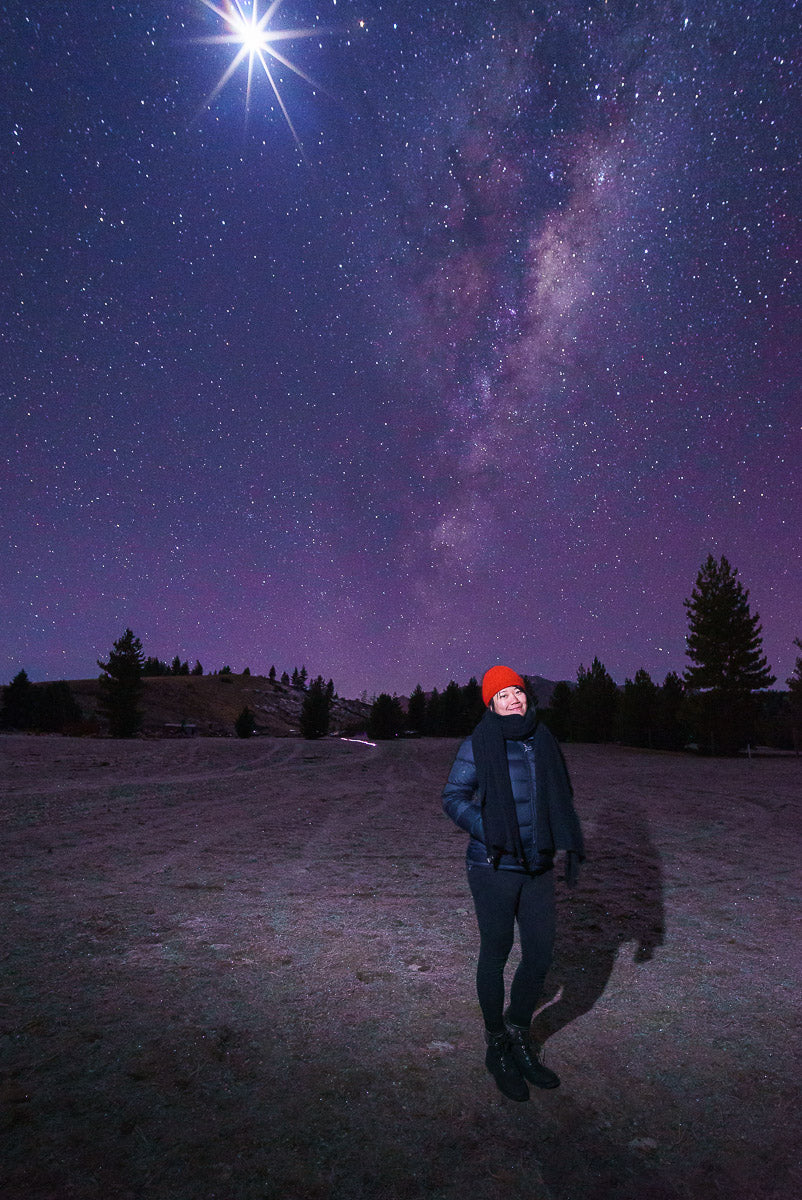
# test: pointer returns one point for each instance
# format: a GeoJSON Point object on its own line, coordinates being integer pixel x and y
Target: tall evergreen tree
{"type": "Point", "coordinates": [452, 712]}
{"type": "Point", "coordinates": [472, 704]}
{"type": "Point", "coordinates": [558, 714]}
{"type": "Point", "coordinates": [794, 682]}
{"type": "Point", "coordinates": [671, 733]}
{"type": "Point", "coordinates": [594, 704]}
{"type": "Point", "coordinates": [121, 686]}
{"type": "Point", "coordinates": [315, 710]}
{"type": "Point", "coordinates": [386, 718]}
{"type": "Point", "coordinates": [725, 646]}
{"type": "Point", "coordinates": [637, 710]}
{"type": "Point", "coordinates": [433, 724]}
{"type": "Point", "coordinates": [18, 703]}
{"type": "Point", "coordinates": [416, 710]}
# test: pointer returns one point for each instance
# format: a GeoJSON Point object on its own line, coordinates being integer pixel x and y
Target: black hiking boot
{"type": "Point", "coordinates": [526, 1058]}
{"type": "Point", "coordinates": [502, 1066]}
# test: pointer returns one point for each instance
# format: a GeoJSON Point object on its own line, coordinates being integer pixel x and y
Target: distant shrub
{"type": "Point", "coordinates": [245, 723]}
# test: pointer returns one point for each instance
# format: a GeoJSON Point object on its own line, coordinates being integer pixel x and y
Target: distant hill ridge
{"type": "Point", "coordinates": [210, 704]}
{"type": "Point", "coordinates": [544, 688]}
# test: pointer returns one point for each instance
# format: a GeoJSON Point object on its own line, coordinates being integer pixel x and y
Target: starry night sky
{"type": "Point", "coordinates": [481, 372]}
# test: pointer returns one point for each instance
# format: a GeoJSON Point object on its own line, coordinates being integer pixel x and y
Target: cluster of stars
{"type": "Point", "coordinates": [389, 340]}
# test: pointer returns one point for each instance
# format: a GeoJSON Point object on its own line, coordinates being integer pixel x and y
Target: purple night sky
{"type": "Point", "coordinates": [483, 373]}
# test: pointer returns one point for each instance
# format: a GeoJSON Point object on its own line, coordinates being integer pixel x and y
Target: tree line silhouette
{"type": "Point", "coordinates": [720, 704]}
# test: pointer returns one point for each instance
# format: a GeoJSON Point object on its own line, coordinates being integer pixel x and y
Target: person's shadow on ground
{"type": "Point", "coordinates": [619, 899]}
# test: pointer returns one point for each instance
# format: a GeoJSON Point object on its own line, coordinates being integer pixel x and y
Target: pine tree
{"type": "Point", "coordinates": [433, 724]}
{"type": "Point", "coordinates": [637, 710]}
{"type": "Point", "coordinates": [452, 712]}
{"type": "Point", "coordinates": [725, 646]}
{"type": "Point", "coordinates": [386, 718]}
{"type": "Point", "coordinates": [245, 723]}
{"type": "Point", "coordinates": [558, 714]}
{"type": "Point", "coordinates": [155, 666]}
{"type": "Point", "coordinates": [18, 703]}
{"type": "Point", "coordinates": [594, 703]}
{"type": "Point", "coordinates": [315, 710]}
{"type": "Point", "coordinates": [472, 704]}
{"type": "Point", "coordinates": [671, 733]}
{"type": "Point", "coordinates": [794, 682]}
{"type": "Point", "coordinates": [121, 686]}
{"type": "Point", "coordinates": [416, 710]}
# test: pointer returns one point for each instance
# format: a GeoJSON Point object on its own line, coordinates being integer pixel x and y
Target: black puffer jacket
{"type": "Point", "coordinates": [460, 802]}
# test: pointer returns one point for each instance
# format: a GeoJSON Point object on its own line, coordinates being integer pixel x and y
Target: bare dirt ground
{"type": "Point", "coordinates": [244, 970]}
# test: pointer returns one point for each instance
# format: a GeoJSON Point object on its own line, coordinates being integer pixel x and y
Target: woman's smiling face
{"type": "Point", "coordinates": [510, 701]}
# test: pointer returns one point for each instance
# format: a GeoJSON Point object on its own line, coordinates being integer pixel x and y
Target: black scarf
{"type": "Point", "coordinates": [557, 823]}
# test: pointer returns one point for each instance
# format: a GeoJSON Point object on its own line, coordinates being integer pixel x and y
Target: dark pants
{"type": "Point", "coordinates": [501, 898]}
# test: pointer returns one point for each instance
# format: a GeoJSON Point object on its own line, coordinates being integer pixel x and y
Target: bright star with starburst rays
{"type": "Point", "coordinates": [255, 39]}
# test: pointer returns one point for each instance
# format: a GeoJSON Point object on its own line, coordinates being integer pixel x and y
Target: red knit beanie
{"type": "Point", "coordinates": [497, 678]}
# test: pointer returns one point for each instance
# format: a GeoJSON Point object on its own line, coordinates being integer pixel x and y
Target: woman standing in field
{"type": "Point", "coordinates": [509, 789]}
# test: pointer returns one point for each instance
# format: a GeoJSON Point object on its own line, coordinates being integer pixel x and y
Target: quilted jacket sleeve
{"type": "Point", "coordinates": [459, 794]}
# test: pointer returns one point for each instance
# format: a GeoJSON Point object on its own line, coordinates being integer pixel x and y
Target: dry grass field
{"type": "Point", "coordinates": [243, 970]}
